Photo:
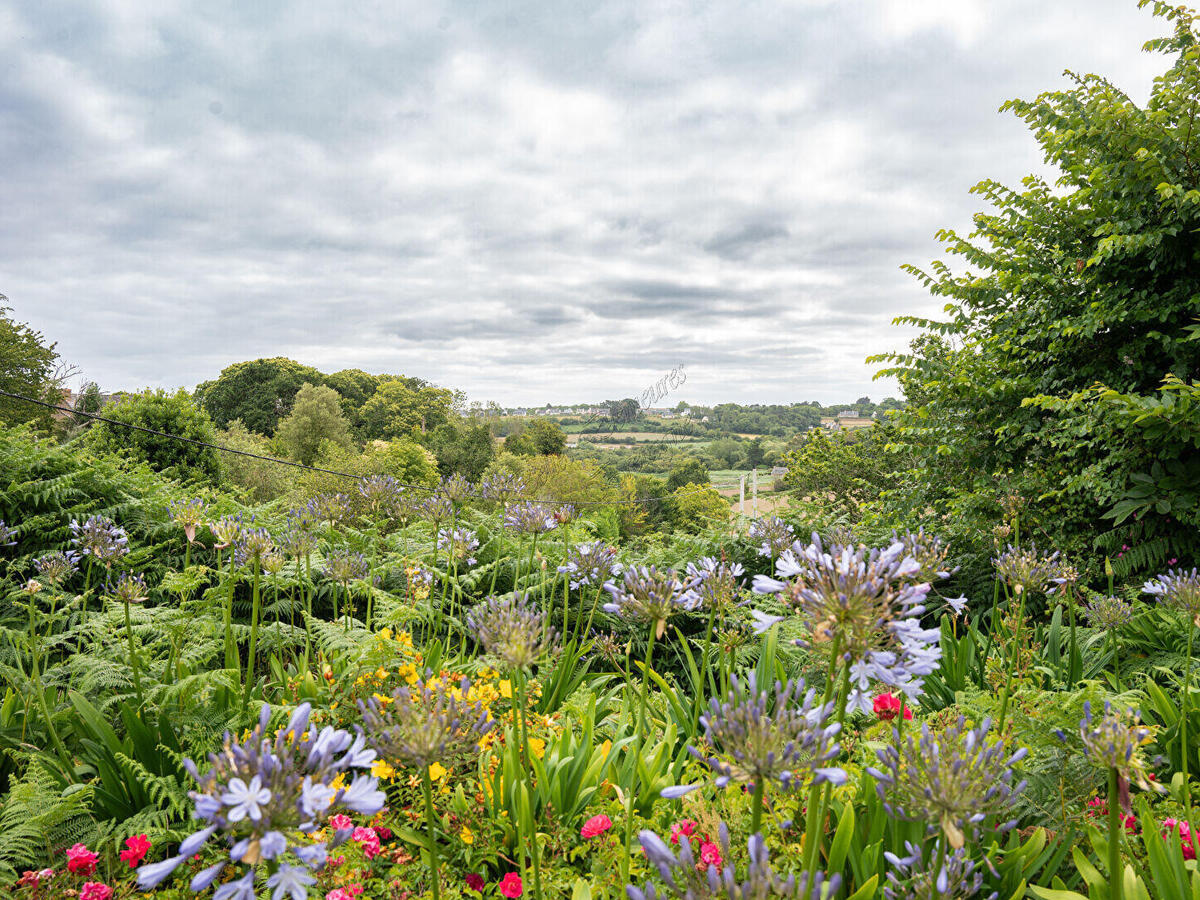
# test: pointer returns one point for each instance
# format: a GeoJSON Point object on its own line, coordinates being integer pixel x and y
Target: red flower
{"type": "Point", "coordinates": [475, 882]}
{"type": "Point", "coordinates": [340, 822]}
{"type": "Point", "coordinates": [385, 833]}
{"type": "Point", "coordinates": [887, 705]}
{"type": "Point", "coordinates": [709, 855]}
{"type": "Point", "coordinates": [682, 828]}
{"type": "Point", "coordinates": [1187, 840]}
{"type": "Point", "coordinates": [510, 885]}
{"type": "Point", "coordinates": [369, 840]}
{"type": "Point", "coordinates": [595, 826]}
{"type": "Point", "coordinates": [81, 860]}
{"type": "Point", "coordinates": [95, 890]}
{"type": "Point", "coordinates": [135, 851]}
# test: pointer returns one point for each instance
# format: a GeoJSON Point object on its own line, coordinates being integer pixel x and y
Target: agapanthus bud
{"type": "Point", "coordinates": [1108, 612]}
{"type": "Point", "coordinates": [131, 589]}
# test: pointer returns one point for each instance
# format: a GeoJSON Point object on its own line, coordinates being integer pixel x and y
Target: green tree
{"type": "Point", "coordinates": [540, 438]}
{"type": "Point", "coordinates": [698, 507]}
{"type": "Point", "coordinates": [397, 409]}
{"type": "Point", "coordinates": [1078, 292]}
{"type": "Point", "coordinates": [688, 471]}
{"type": "Point", "coordinates": [756, 455]}
{"type": "Point", "coordinates": [843, 471]}
{"type": "Point", "coordinates": [259, 392]}
{"type": "Point", "coordinates": [174, 414]}
{"type": "Point", "coordinates": [28, 366]}
{"type": "Point", "coordinates": [467, 449]}
{"type": "Point", "coordinates": [259, 480]}
{"type": "Point", "coordinates": [316, 417]}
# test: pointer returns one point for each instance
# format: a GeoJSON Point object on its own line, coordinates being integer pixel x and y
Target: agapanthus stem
{"type": "Point", "coordinates": [1184, 703]}
{"type": "Point", "coordinates": [592, 612]}
{"type": "Point", "coordinates": [231, 654]}
{"type": "Point", "coordinates": [1116, 658]}
{"type": "Point", "coordinates": [566, 602]}
{"type": "Point", "coordinates": [133, 662]}
{"type": "Point", "coordinates": [1115, 873]}
{"type": "Point", "coordinates": [815, 814]}
{"type": "Point", "coordinates": [431, 828]}
{"type": "Point", "coordinates": [307, 608]}
{"type": "Point", "coordinates": [250, 657]}
{"type": "Point", "coordinates": [1012, 667]}
{"type": "Point", "coordinates": [637, 752]}
{"type": "Point", "coordinates": [757, 805]}
{"type": "Point", "coordinates": [534, 850]}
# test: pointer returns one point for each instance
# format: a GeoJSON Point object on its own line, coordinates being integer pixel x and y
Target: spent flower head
{"type": "Point", "coordinates": [100, 538]}
{"type": "Point", "coordinates": [266, 794]}
{"type": "Point", "coordinates": [646, 594]}
{"type": "Point", "coordinates": [226, 530]}
{"type": "Point", "coordinates": [329, 507]}
{"type": "Point", "coordinates": [188, 514]}
{"type": "Point", "coordinates": [687, 877]}
{"type": "Point", "coordinates": [437, 508]}
{"type": "Point", "coordinates": [1024, 569]}
{"type": "Point", "coordinates": [1107, 612]}
{"type": "Point", "coordinates": [590, 563]}
{"type": "Point", "coordinates": [952, 781]}
{"type": "Point", "coordinates": [344, 566]}
{"type": "Point", "coordinates": [512, 629]}
{"type": "Point", "coordinates": [423, 725]}
{"type": "Point", "coordinates": [784, 735]}
{"type": "Point", "coordinates": [131, 589]}
{"type": "Point", "coordinates": [456, 489]}
{"type": "Point", "coordinates": [773, 534]}
{"type": "Point", "coordinates": [866, 603]}
{"type": "Point", "coordinates": [299, 536]}
{"type": "Point", "coordinates": [378, 491]}
{"type": "Point", "coordinates": [1118, 741]}
{"type": "Point", "coordinates": [58, 566]}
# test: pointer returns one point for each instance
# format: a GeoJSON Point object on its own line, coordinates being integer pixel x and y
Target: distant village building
{"type": "Point", "coordinates": [778, 471]}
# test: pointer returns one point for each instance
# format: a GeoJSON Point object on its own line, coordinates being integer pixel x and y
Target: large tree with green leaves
{"type": "Point", "coordinates": [259, 392]}
{"type": "Point", "coordinates": [316, 417]}
{"type": "Point", "coordinates": [1077, 303]}
{"type": "Point", "coordinates": [165, 413]}
{"type": "Point", "coordinates": [29, 367]}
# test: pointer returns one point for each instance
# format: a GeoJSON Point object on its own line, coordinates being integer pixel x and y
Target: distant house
{"type": "Point", "coordinates": [848, 414]}
{"type": "Point", "coordinates": [778, 471]}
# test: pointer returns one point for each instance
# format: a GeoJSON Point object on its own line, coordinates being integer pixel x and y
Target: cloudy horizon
{"type": "Point", "coordinates": [527, 205]}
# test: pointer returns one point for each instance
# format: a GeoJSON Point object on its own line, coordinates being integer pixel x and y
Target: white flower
{"type": "Point", "coordinates": [244, 800]}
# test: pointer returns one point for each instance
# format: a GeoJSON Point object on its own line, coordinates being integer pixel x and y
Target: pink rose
{"type": "Point", "coordinates": [595, 826]}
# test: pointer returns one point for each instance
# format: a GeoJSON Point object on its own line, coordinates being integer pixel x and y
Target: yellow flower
{"type": "Point", "coordinates": [437, 771]}
{"type": "Point", "coordinates": [466, 836]}
{"type": "Point", "coordinates": [505, 689]}
{"type": "Point", "coordinates": [382, 769]}
{"type": "Point", "coordinates": [538, 747]}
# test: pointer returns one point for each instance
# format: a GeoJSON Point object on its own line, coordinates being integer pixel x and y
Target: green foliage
{"type": "Point", "coordinates": [466, 448]}
{"type": "Point", "coordinates": [175, 414]}
{"type": "Point", "coordinates": [538, 438]}
{"type": "Point", "coordinates": [28, 366]}
{"type": "Point", "coordinates": [398, 409]}
{"type": "Point", "coordinates": [259, 392]}
{"type": "Point", "coordinates": [843, 471]}
{"type": "Point", "coordinates": [690, 471]}
{"type": "Point", "coordinates": [260, 480]}
{"type": "Point", "coordinates": [698, 507]}
{"type": "Point", "coordinates": [316, 418]}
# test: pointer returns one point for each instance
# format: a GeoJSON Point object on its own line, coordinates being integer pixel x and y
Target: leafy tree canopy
{"type": "Point", "coordinates": [316, 417]}
{"type": "Point", "coordinates": [540, 438]}
{"type": "Point", "coordinates": [174, 414]}
{"type": "Point", "coordinates": [28, 366]}
{"type": "Point", "coordinates": [260, 392]}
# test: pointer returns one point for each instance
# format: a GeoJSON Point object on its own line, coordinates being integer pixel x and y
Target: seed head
{"type": "Point", "coordinates": [58, 566]}
{"type": "Point", "coordinates": [131, 589]}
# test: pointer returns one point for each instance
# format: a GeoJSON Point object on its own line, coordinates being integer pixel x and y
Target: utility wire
{"type": "Point", "coordinates": [292, 463]}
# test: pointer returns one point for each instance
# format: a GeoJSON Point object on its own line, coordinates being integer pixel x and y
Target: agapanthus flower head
{"type": "Point", "coordinates": [931, 554]}
{"type": "Point", "coordinates": [299, 536]}
{"type": "Point", "coordinates": [783, 735]}
{"type": "Point", "coordinates": [564, 513]}
{"type": "Point", "coordinates": [1025, 569]}
{"type": "Point", "coordinates": [1118, 740]}
{"type": "Point", "coordinates": [377, 491]}
{"type": "Point", "coordinates": [344, 566]}
{"type": "Point", "coordinates": [403, 507]}
{"type": "Point", "coordinates": [226, 530]}
{"type": "Point", "coordinates": [456, 489]}
{"type": "Point", "coordinates": [437, 508]}
{"type": "Point", "coordinates": [266, 794]}
{"type": "Point", "coordinates": [273, 561]}
{"type": "Point", "coordinates": [952, 781]}
{"type": "Point", "coordinates": [58, 566]}
{"type": "Point", "coordinates": [131, 589]}
{"type": "Point", "coordinates": [188, 514]}
{"type": "Point", "coordinates": [501, 488]}
{"type": "Point", "coordinates": [715, 582]}
{"type": "Point", "coordinates": [100, 538]}
{"type": "Point", "coordinates": [529, 518]}
{"type": "Point", "coordinates": [423, 725]}
{"type": "Point", "coordinates": [329, 507]}
{"type": "Point", "coordinates": [687, 877]}
{"type": "Point", "coordinates": [590, 563]}
{"type": "Point", "coordinates": [252, 545]}
{"type": "Point", "coordinates": [943, 876]}
{"type": "Point", "coordinates": [459, 544]}
{"type": "Point", "coordinates": [773, 534]}
{"type": "Point", "coordinates": [865, 602]}
{"type": "Point", "coordinates": [647, 594]}
{"type": "Point", "coordinates": [1107, 612]}
{"type": "Point", "coordinates": [1178, 590]}
{"type": "Point", "coordinates": [512, 629]}
{"type": "Point", "coordinates": [6, 535]}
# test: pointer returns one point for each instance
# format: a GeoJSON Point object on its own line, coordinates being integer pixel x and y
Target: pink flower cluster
{"type": "Point", "coordinates": [1187, 840]}
{"type": "Point", "coordinates": [887, 707]}
{"type": "Point", "coordinates": [710, 853]}
{"type": "Point", "coordinates": [369, 841]}
{"type": "Point", "coordinates": [349, 892]}
{"type": "Point", "coordinates": [1098, 807]}
{"type": "Point", "coordinates": [81, 860]}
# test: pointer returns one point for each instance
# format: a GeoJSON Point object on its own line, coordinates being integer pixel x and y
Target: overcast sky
{"type": "Point", "coordinates": [531, 201]}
